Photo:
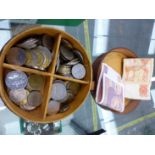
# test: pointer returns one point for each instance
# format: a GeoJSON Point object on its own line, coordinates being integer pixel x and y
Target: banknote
{"type": "Point", "coordinates": [113, 94]}
{"type": "Point", "coordinates": [105, 69]}
{"type": "Point", "coordinates": [137, 74]}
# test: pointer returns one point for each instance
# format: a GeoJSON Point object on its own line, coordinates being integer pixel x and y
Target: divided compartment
{"type": "Point", "coordinates": [33, 115]}
{"type": "Point", "coordinates": [73, 104]}
{"type": "Point", "coordinates": [77, 46]}
{"type": "Point", "coordinates": [30, 34]}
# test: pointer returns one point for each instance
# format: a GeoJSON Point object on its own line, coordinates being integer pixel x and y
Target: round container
{"type": "Point", "coordinates": [114, 58]}
{"type": "Point", "coordinates": [40, 113]}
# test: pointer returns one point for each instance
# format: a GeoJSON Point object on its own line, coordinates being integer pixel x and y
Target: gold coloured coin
{"type": "Point", "coordinates": [35, 82]}
{"type": "Point", "coordinates": [73, 87]}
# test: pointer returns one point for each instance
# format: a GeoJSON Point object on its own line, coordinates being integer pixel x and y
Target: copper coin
{"type": "Point", "coordinates": [48, 41]}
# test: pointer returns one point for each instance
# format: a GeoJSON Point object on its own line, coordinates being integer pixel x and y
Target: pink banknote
{"type": "Point", "coordinates": [137, 74]}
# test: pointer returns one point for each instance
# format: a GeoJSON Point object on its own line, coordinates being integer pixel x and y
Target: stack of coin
{"type": "Point", "coordinates": [24, 91]}
{"type": "Point", "coordinates": [28, 43]}
{"type": "Point", "coordinates": [62, 93]}
{"type": "Point", "coordinates": [39, 58]}
{"type": "Point", "coordinates": [70, 62]}
{"type": "Point", "coordinates": [34, 52]}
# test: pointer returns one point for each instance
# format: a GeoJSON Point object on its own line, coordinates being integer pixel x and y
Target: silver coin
{"type": "Point", "coordinates": [27, 107]}
{"type": "Point", "coordinates": [18, 95]}
{"type": "Point", "coordinates": [53, 107]}
{"type": "Point", "coordinates": [58, 91]}
{"type": "Point", "coordinates": [16, 80]}
{"type": "Point", "coordinates": [28, 43]}
{"type": "Point", "coordinates": [66, 43]}
{"type": "Point", "coordinates": [58, 63]}
{"type": "Point", "coordinates": [66, 53]}
{"type": "Point", "coordinates": [78, 71]}
{"type": "Point", "coordinates": [73, 62]}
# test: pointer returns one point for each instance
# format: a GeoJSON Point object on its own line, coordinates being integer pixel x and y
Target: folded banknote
{"type": "Point", "coordinates": [137, 74]}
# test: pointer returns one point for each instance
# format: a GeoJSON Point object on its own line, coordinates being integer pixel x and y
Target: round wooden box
{"type": "Point", "coordinates": [40, 113]}
{"type": "Point", "coordinates": [114, 58]}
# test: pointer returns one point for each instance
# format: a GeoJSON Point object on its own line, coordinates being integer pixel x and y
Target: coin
{"type": "Point", "coordinates": [34, 98]}
{"type": "Point", "coordinates": [40, 58]}
{"type": "Point", "coordinates": [58, 91]}
{"type": "Point", "coordinates": [32, 59]}
{"type": "Point", "coordinates": [58, 64]}
{"type": "Point", "coordinates": [47, 55]}
{"type": "Point", "coordinates": [73, 87]}
{"type": "Point", "coordinates": [53, 107]}
{"type": "Point", "coordinates": [27, 107]}
{"type": "Point", "coordinates": [66, 53]}
{"type": "Point", "coordinates": [78, 55]}
{"type": "Point", "coordinates": [16, 80]}
{"type": "Point", "coordinates": [18, 96]}
{"type": "Point", "coordinates": [16, 56]}
{"type": "Point", "coordinates": [28, 43]}
{"type": "Point", "coordinates": [64, 108]}
{"type": "Point", "coordinates": [35, 82]}
{"type": "Point", "coordinates": [78, 71]}
{"type": "Point", "coordinates": [64, 70]}
{"type": "Point", "coordinates": [48, 41]}
{"type": "Point", "coordinates": [66, 43]}
{"type": "Point", "coordinates": [70, 96]}
{"type": "Point", "coordinates": [73, 62]}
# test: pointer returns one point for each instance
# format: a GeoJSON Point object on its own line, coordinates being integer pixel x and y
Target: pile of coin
{"type": "Point", "coordinates": [24, 90]}
{"type": "Point", "coordinates": [34, 52]}
{"type": "Point", "coordinates": [70, 61]}
{"type": "Point", "coordinates": [62, 93]}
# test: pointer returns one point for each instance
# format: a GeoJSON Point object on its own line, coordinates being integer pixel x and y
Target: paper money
{"type": "Point", "coordinates": [113, 94]}
{"type": "Point", "coordinates": [137, 74]}
{"type": "Point", "coordinates": [111, 73]}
